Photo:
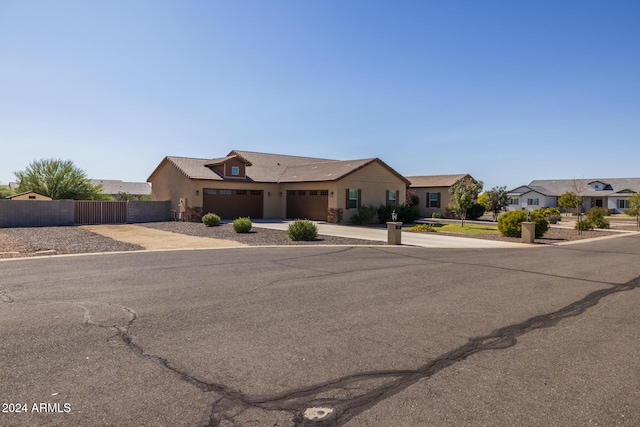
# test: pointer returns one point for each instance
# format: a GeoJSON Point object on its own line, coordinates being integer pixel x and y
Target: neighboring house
{"type": "Point", "coordinates": [29, 195]}
{"type": "Point", "coordinates": [261, 185]}
{"type": "Point", "coordinates": [113, 187]}
{"type": "Point", "coordinates": [433, 191]}
{"type": "Point", "coordinates": [610, 193]}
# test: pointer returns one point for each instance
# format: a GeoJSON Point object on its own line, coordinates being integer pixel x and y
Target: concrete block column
{"type": "Point", "coordinates": [394, 233]}
{"type": "Point", "coordinates": [528, 232]}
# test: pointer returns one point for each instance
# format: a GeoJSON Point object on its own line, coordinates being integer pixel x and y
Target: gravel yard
{"type": "Point", "coordinates": [35, 241]}
{"type": "Point", "coordinates": [256, 237]}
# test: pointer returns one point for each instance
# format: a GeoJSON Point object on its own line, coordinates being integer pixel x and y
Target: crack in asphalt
{"type": "Point", "coordinates": [348, 396]}
{"type": "Point", "coordinates": [6, 297]}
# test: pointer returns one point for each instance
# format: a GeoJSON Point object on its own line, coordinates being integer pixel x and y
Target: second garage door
{"type": "Point", "coordinates": [308, 204]}
{"type": "Point", "coordinates": [232, 204]}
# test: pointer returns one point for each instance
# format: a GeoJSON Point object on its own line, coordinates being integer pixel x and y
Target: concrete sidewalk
{"type": "Point", "coordinates": [425, 240]}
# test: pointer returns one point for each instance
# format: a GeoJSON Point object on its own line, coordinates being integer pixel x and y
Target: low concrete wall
{"type": "Point", "coordinates": [49, 213]}
{"type": "Point", "coordinates": [35, 213]}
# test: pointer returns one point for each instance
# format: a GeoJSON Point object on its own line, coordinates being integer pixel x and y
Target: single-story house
{"type": "Point", "coordinates": [114, 186]}
{"type": "Point", "coordinates": [262, 185]}
{"type": "Point", "coordinates": [609, 193]}
{"type": "Point", "coordinates": [433, 191]}
{"type": "Point", "coordinates": [29, 195]}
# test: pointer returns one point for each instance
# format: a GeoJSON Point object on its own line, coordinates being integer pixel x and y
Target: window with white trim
{"type": "Point", "coordinates": [235, 170]}
{"type": "Point", "coordinates": [623, 203]}
{"type": "Point", "coordinates": [514, 201]}
{"type": "Point", "coordinates": [533, 202]}
{"type": "Point", "coordinates": [353, 199]}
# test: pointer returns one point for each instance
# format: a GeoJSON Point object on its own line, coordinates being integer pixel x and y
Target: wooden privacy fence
{"type": "Point", "coordinates": [99, 212]}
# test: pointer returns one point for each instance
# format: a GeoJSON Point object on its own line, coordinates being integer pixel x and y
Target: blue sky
{"type": "Point", "coordinates": [508, 91]}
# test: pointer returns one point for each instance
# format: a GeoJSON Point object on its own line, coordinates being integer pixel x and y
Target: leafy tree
{"type": "Point", "coordinates": [483, 199]}
{"type": "Point", "coordinates": [465, 193]}
{"type": "Point", "coordinates": [123, 196]}
{"type": "Point", "coordinates": [497, 199]}
{"type": "Point", "coordinates": [58, 179]}
{"type": "Point", "coordinates": [634, 207]}
{"type": "Point", "coordinates": [5, 191]}
{"type": "Point", "coordinates": [412, 198]}
{"type": "Point", "coordinates": [569, 200]}
{"type": "Point", "coordinates": [476, 211]}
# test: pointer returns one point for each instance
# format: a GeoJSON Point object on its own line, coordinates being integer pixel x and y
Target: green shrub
{"type": "Point", "coordinates": [601, 223]}
{"type": "Point", "coordinates": [422, 228]}
{"type": "Point", "coordinates": [509, 223]}
{"type": "Point", "coordinates": [437, 214]}
{"type": "Point", "coordinates": [302, 229]}
{"type": "Point", "coordinates": [475, 211]}
{"type": "Point", "coordinates": [211, 219]}
{"type": "Point", "coordinates": [365, 215]}
{"type": "Point", "coordinates": [542, 224]}
{"type": "Point", "coordinates": [584, 225]}
{"type": "Point", "coordinates": [384, 213]}
{"type": "Point", "coordinates": [242, 225]}
{"type": "Point", "coordinates": [406, 213]}
{"type": "Point", "coordinates": [551, 211]}
{"type": "Point", "coordinates": [409, 214]}
{"type": "Point", "coordinates": [596, 213]}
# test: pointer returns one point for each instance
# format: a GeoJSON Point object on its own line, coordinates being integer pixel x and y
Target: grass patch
{"type": "Point", "coordinates": [467, 229]}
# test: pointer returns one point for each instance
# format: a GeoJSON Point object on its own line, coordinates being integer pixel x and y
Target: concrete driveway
{"type": "Point", "coordinates": [425, 240]}
{"type": "Point", "coordinates": [353, 336]}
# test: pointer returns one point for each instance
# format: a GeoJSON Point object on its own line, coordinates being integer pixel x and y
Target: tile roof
{"type": "Point", "coordinates": [557, 187]}
{"type": "Point", "coordinates": [112, 186]}
{"type": "Point", "coordinates": [435, 180]}
{"type": "Point", "coordinates": [266, 167]}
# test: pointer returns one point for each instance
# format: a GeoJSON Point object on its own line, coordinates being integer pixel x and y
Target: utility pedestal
{"type": "Point", "coordinates": [528, 232]}
{"type": "Point", "coordinates": [394, 233]}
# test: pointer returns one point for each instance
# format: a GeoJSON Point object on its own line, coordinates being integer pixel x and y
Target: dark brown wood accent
{"type": "Point", "coordinates": [232, 204]}
{"type": "Point", "coordinates": [308, 204]}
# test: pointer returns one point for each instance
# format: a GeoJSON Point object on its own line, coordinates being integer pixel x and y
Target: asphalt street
{"type": "Point", "coordinates": [319, 336]}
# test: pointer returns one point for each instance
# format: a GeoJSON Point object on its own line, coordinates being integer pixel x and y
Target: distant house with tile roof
{"type": "Point", "coordinates": [29, 195]}
{"type": "Point", "coordinates": [262, 185]}
{"type": "Point", "coordinates": [609, 193]}
{"type": "Point", "coordinates": [113, 187]}
{"type": "Point", "coordinates": [433, 191]}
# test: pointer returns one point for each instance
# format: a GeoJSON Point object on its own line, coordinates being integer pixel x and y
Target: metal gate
{"type": "Point", "coordinates": [99, 212]}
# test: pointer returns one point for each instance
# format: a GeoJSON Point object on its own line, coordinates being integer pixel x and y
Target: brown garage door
{"type": "Point", "coordinates": [308, 204]}
{"type": "Point", "coordinates": [232, 204]}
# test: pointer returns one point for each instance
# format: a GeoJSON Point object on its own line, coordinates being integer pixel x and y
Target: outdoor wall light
{"type": "Point", "coordinates": [281, 194]}
{"type": "Point", "coordinates": [269, 193]}
{"type": "Point", "coordinates": [332, 194]}
{"type": "Point", "coordinates": [197, 192]}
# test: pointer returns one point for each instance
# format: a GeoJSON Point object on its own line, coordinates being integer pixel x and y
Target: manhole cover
{"type": "Point", "coordinates": [319, 414]}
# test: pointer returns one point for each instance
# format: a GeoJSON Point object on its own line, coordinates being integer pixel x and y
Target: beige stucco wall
{"type": "Point", "coordinates": [28, 196]}
{"type": "Point", "coordinates": [445, 199]}
{"type": "Point", "coordinates": [373, 180]}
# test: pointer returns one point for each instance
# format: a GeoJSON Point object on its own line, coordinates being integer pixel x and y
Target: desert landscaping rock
{"type": "Point", "coordinates": [64, 240]}
{"type": "Point", "coordinates": [256, 237]}
{"type": "Point", "coordinates": [34, 241]}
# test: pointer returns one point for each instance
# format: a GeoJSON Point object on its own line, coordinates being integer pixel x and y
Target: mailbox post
{"type": "Point", "coordinates": [394, 233]}
{"type": "Point", "coordinates": [394, 230]}
{"type": "Point", "coordinates": [528, 232]}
